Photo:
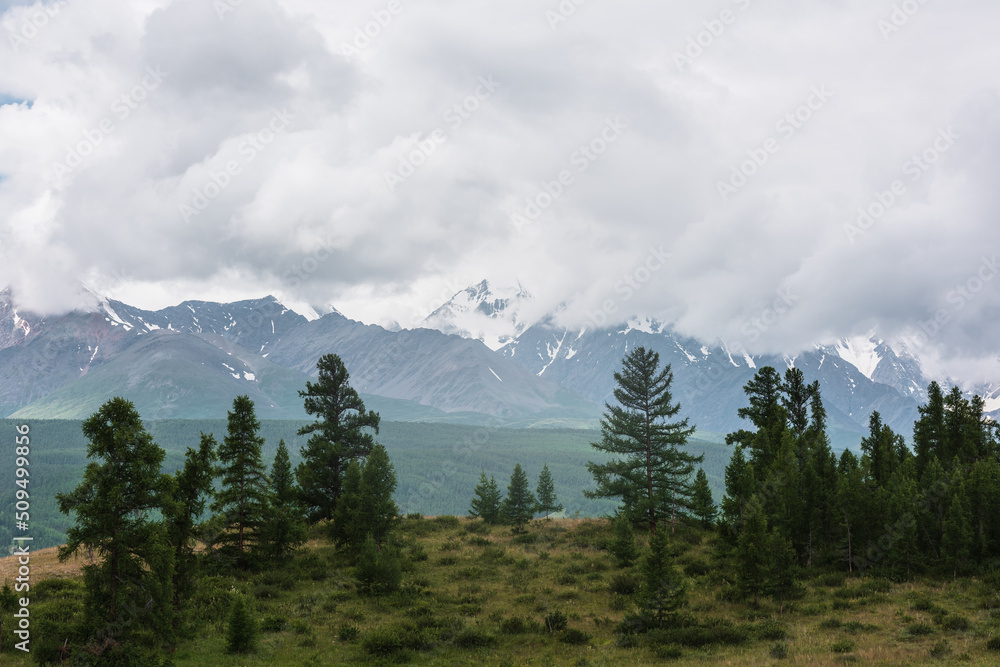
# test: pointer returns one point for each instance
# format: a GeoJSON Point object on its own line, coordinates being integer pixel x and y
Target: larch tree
{"type": "Point", "coordinates": [284, 528]}
{"type": "Point", "coordinates": [486, 500]}
{"type": "Point", "coordinates": [647, 468]}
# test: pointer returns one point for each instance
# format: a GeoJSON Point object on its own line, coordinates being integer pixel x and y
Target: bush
{"type": "Point", "coordinates": [697, 568]}
{"type": "Point", "coordinates": [242, 634]}
{"type": "Point", "coordinates": [348, 633]}
{"type": "Point", "coordinates": [919, 630]}
{"type": "Point", "coordinates": [273, 623]}
{"type": "Point", "coordinates": [993, 644]}
{"type": "Point", "coordinates": [779, 651]}
{"type": "Point", "coordinates": [623, 546]}
{"type": "Point", "coordinates": [446, 521]}
{"type": "Point", "coordinates": [555, 621]}
{"type": "Point", "coordinates": [8, 598]}
{"type": "Point", "coordinates": [941, 649]}
{"type": "Point", "coordinates": [378, 572]}
{"type": "Point", "coordinates": [473, 638]}
{"type": "Point", "coordinates": [770, 629]}
{"type": "Point", "coordinates": [842, 646]}
{"type": "Point", "coordinates": [383, 642]}
{"type": "Point", "coordinates": [624, 584]}
{"type": "Point", "coordinates": [515, 625]}
{"type": "Point", "coordinates": [300, 627]}
{"type": "Point", "coordinates": [574, 637]}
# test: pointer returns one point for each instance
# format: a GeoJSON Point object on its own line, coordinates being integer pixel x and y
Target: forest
{"type": "Point", "coordinates": [223, 558]}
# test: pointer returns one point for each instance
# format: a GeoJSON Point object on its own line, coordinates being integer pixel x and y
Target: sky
{"type": "Point", "coordinates": [775, 173]}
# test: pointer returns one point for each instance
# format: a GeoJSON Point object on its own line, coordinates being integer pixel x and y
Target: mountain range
{"type": "Point", "coordinates": [480, 360]}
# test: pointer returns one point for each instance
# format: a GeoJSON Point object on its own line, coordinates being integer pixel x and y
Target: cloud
{"type": "Point", "coordinates": [351, 153]}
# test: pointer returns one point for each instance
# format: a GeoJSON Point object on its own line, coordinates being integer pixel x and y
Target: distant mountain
{"type": "Point", "coordinates": [485, 313]}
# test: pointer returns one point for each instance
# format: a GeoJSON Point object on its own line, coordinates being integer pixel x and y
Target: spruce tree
{"type": "Point", "coordinates": [702, 505]}
{"type": "Point", "coordinates": [751, 559]}
{"type": "Point", "coordinates": [337, 437]}
{"type": "Point", "coordinates": [767, 414]}
{"type": "Point", "coordinates": [546, 493]}
{"type": "Point", "coordinates": [378, 571]}
{"type": "Point", "coordinates": [284, 528]}
{"type": "Point", "coordinates": [929, 430]}
{"type": "Point", "coordinates": [519, 506]}
{"type": "Point", "coordinates": [115, 508]}
{"type": "Point", "coordinates": [487, 501]}
{"type": "Point", "coordinates": [780, 567]}
{"type": "Point", "coordinates": [740, 485]}
{"type": "Point", "coordinates": [242, 500]}
{"type": "Point", "coordinates": [956, 539]}
{"type": "Point", "coordinates": [647, 472]}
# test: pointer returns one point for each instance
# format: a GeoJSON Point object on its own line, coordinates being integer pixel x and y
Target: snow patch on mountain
{"type": "Point", "coordinates": [861, 352]}
{"type": "Point", "coordinates": [485, 312]}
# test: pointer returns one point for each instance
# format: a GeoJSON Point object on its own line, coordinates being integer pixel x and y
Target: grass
{"type": "Point", "coordinates": [475, 595]}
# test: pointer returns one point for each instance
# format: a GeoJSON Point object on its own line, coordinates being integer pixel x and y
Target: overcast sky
{"type": "Point", "coordinates": [700, 162]}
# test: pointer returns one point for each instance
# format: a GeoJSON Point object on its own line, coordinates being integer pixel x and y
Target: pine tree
{"type": "Point", "coordinates": [702, 505]}
{"type": "Point", "coordinates": [487, 501]}
{"type": "Point", "coordinates": [242, 500]}
{"type": "Point", "coordinates": [546, 493]}
{"type": "Point", "coordinates": [241, 636]}
{"type": "Point", "coordinates": [623, 546]}
{"type": "Point", "coordinates": [284, 528]}
{"type": "Point", "coordinates": [649, 474]}
{"type": "Point", "coordinates": [336, 438]}
{"type": "Point", "coordinates": [115, 507]}
{"type": "Point", "coordinates": [378, 482]}
{"type": "Point", "coordinates": [191, 488]}
{"type": "Point", "coordinates": [663, 591]}
{"type": "Point", "coordinates": [518, 507]}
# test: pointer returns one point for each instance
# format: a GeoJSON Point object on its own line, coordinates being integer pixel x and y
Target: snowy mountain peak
{"type": "Point", "coordinates": [862, 352]}
{"type": "Point", "coordinates": [491, 314]}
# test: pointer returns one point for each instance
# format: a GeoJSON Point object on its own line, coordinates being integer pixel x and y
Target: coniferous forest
{"type": "Point", "coordinates": [889, 555]}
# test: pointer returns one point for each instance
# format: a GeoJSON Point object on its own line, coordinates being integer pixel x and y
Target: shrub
{"type": "Point", "coordinates": [919, 630]}
{"type": "Point", "coordinates": [574, 637]}
{"type": "Point", "coordinates": [515, 625]}
{"type": "Point", "coordinates": [770, 629]}
{"type": "Point", "coordinates": [383, 642]}
{"type": "Point", "coordinates": [842, 646]}
{"type": "Point", "coordinates": [300, 627]}
{"type": "Point", "coordinates": [941, 649]}
{"type": "Point", "coordinates": [993, 644]}
{"type": "Point", "coordinates": [273, 623]}
{"type": "Point", "coordinates": [378, 572]}
{"type": "Point", "coordinates": [697, 568]}
{"type": "Point", "coordinates": [831, 624]}
{"type": "Point", "coordinates": [779, 651]}
{"type": "Point", "coordinates": [555, 621]}
{"type": "Point", "coordinates": [478, 541]}
{"type": "Point", "coordinates": [623, 546]}
{"type": "Point", "coordinates": [348, 633]}
{"type": "Point", "coordinates": [242, 634]}
{"type": "Point", "coordinates": [473, 638]}
{"type": "Point", "coordinates": [668, 652]}
{"type": "Point", "coordinates": [446, 521]}
{"type": "Point", "coordinates": [623, 584]}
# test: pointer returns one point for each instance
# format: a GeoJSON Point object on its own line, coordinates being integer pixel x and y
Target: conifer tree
{"type": "Point", "coordinates": [242, 500]}
{"type": "Point", "coordinates": [378, 571]}
{"type": "Point", "coordinates": [284, 527]}
{"type": "Point", "coordinates": [956, 539]}
{"type": "Point", "coordinates": [378, 482]}
{"type": "Point", "coordinates": [518, 507]}
{"type": "Point", "coordinates": [623, 546]}
{"type": "Point", "coordinates": [487, 501]}
{"type": "Point", "coordinates": [663, 591]}
{"type": "Point", "coordinates": [929, 431]}
{"type": "Point", "coordinates": [546, 493]}
{"type": "Point", "coordinates": [751, 568]}
{"type": "Point", "coordinates": [347, 528]}
{"type": "Point", "coordinates": [115, 506]}
{"type": "Point", "coordinates": [780, 567]}
{"type": "Point", "coordinates": [702, 505]}
{"type": "Point", "coordinates": [649, 473]}
{"type": "Point", "coordinates": [852, 506]}
{"type": "Point", "coordinates": [766, 413]}
{"type": "Point", "coordinates": [740, 485]}
{"type": "Point", "coordinates": [342, 433]}
{"type": "Point", "coordinates": [241, 635]}
{"type": "Point", "coordinates": [191, 488]}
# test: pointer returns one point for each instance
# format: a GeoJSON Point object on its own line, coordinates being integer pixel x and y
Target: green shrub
{"type": "Point", "coordinates": [265, 592]}
{"type": "Point", "coordinates": [446, 521]}
{"type": "Point", "coordinates": [574, 637]}
{"type": "Point", "coordinates": [831, 624]}
{"type": "Point", "coordinates": [623, 584]}
{"type": "Point", "coordinates": [348, 633]}
{"type": "Point", "coordinates": [525, 538]}
{"type": "Point", "coordinates": [273, 623]}
{"type": "Point", "coordinates": [770, 629]}
{"type": "Point", "coordinates": [300, 627]}
{"type": "Point", "coordinates": [779, 651]}
{"type": "Point", "coordinates": [697, 568]}
{"type": "Point", "coordinates": [555, 621]}
{"type": "Point", "coordinates": [941, 649]}
{"type": "Point", "coordinates": [993, 644]}
{"type": "Point", "coordinates": [383, 642]}
{"type": "Point", "coordinates": [473, 638]}
{"type": "Point", "coordinates": [241, 636]}
{"type": "Point", "coordinates": [622, 546]}
{"type": "Point", "coordinates": [515, 625]}
{"type": "Point", "coordinates": [668, 652]}
{"type": "Point", "coordinates": [8, 598]}
{"type": "Point", "coordinates": [378, 572]}
{"type": "Point", "coordinates": [842, 646]}
{"type": "Point", "coordinates": [955, 622]}
{"type": "Point", "coordinates": [478, 541]}
{"type": "Point", "coordinates": [919, 630]}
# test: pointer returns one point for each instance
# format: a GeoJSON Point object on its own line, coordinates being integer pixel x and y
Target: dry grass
{"type": "Point", "coordinates": [44, 565]}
